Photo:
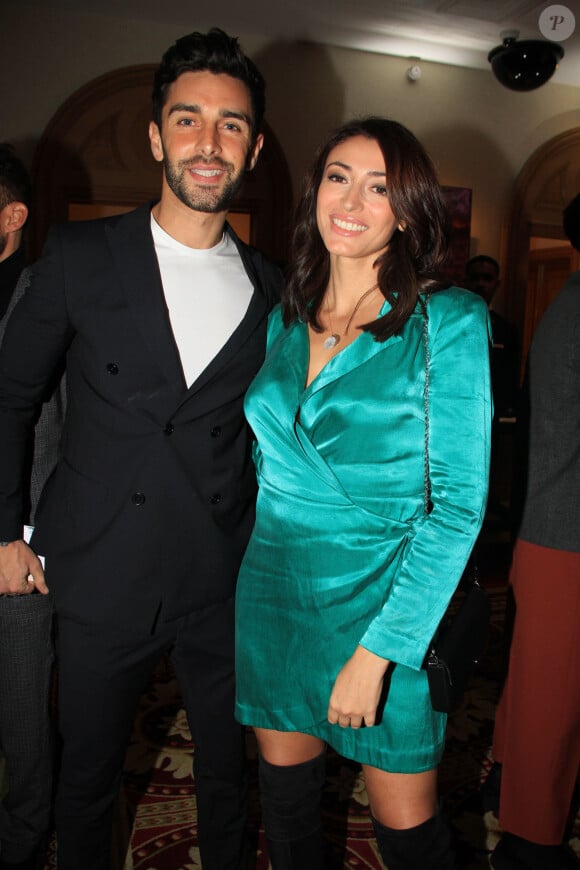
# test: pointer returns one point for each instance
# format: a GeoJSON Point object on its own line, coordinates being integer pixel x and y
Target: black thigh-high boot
{"type": "Point", "coordinates": [424, 847]}
{"type": "Point", "coordinates": [291, 800]}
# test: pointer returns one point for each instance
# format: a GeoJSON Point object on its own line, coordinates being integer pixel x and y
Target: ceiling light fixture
{"type": "Point", "coordinates": [525, 65]}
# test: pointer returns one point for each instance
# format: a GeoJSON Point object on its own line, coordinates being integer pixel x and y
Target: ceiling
{"type": "Point", "coordinates": [458, 32]}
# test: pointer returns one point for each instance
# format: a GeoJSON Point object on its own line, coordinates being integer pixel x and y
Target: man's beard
{"type": "Point", "coordinates": [209, 200]}
{"type": "Point", "coordinates": [3, 243]}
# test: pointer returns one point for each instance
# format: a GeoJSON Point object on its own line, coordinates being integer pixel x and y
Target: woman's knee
{"type": "Point", "coordinates": [285, 748]}
{"type": "Point", "coordinates": [401, 800]}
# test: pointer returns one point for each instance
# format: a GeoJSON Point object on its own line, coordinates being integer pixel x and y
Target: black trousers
{"type": "Point", "coordinates": [102, 673]}
{"type": "Point", "coordinates": [26, 657]}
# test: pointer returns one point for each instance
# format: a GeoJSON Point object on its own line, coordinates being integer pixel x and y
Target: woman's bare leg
{"type": "Point", "coordinates": [401, 800]}
{"type": "Point", "coordinates": [411, 833]}
{"type": "Point", "coordinates": [287, 747]}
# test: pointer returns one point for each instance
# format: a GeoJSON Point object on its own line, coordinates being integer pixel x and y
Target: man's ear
{"type": "Point", "coordinates": [155, 141]}
{"type": "Point", "coordinates": [255, 152]}
{"type": "Point", "coordinates": [13, 217]}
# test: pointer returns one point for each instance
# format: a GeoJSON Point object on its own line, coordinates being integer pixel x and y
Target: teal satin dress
{"type": "Point", "coordinates": [342, 552]}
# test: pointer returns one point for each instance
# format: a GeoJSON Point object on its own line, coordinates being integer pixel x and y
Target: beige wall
{"type": "Point", "coordinates": [478, 133]}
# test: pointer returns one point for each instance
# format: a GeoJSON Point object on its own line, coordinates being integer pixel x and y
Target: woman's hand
{"type": "Point", "coordinates": [357, 690]}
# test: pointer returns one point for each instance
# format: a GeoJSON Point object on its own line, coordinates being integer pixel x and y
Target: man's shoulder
{"type": "Point", "coordinates": [86, 231]}
{"type": "Point", "coordinates": [21, 286]}
{"type": "Point", "coordinates": [572, 283]}
{"type": "Point", "coordinates": [563, 313]}
{"type": "Point", "coordinates": [566, 302]}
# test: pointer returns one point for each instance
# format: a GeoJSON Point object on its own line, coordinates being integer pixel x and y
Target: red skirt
{"type": "Point", "coordinates": [537, 731]}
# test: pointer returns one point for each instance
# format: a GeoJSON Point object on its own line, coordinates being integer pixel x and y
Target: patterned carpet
{"type": "Point", "coordinates": [159, 794]}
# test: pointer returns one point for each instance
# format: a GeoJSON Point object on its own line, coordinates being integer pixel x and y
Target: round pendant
{"type": "Point", "coordinates": [331, 341]}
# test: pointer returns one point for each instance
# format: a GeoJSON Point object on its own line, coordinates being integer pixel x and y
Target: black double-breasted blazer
{"type": "Point", "coordinates": [150, 507]}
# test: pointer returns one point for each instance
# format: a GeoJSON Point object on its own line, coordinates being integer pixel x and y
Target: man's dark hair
{"type": "Point", "coordinates": [482, 258]}
{"type": "Point", "coordinates": [214, 52]}
{"type": "Point", "coordinates": [413, 258]}
{"type": "Point", "coordinates": [14, 179]}
{"type": "Point", "coordinates": [571, 222]}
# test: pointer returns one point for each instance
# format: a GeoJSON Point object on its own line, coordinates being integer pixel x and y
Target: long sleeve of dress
{"type": "Point", "coordinates": [460, 413]}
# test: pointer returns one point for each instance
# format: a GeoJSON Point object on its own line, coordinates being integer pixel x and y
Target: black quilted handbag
{"type": "Point", "coordinates": [458, 643]}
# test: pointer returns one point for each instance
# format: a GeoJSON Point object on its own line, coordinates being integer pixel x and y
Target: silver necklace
{"type": "Point", "coordinates": [333, 339]}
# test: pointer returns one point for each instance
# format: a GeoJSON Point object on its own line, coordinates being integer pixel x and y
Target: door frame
{"type": "Point", "coordinates": [548, 181]}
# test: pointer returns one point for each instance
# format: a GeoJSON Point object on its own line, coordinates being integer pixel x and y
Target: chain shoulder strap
{"type": "Point", "coordinates": [428, 504]}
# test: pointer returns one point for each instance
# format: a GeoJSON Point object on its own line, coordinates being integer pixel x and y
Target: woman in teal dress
{"type": "Point", "coordinates": [347, 575]}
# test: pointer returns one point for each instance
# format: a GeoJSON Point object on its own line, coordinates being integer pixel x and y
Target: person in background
{"type": "Point", "coordinates": [536, 743]}
{"type": "Point", "coordinates": [483, 277]}
{"type": "Point", "coordinates": [15, 195]}
{"type": "Point", "coordinates": [26, 648]}
{"type": "Point", "coordinates": [162, 315]}
{"type": "Point", "coordinates": [349, 570]}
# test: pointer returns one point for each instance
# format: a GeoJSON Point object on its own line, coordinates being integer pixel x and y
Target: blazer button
{"type": "Point", "coordinates": [216, 498]}
{"type": "Point", "coordinates": [169, 429]}
{"type": "Point", "coordinates": [216, 431]}
{"type": "Point", "coordinates": [138, 499]}
{"type": "Point", "coordinates": [113, 368]}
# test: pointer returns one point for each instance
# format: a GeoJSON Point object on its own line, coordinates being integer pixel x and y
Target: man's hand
{"type": "Point", "coordinates": [357, 690]}
{"type": "Point", "coordinates": [20, 570]}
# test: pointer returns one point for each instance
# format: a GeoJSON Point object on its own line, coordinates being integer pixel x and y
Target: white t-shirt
{"type": "Point", "coordinates": [207, 292]}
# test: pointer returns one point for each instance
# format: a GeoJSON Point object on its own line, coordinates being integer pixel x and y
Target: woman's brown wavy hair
{"type": "Point", "coordinates": [410, 265]}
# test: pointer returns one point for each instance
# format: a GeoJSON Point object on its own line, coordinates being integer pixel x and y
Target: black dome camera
{"type": "Point", "coordinates": [525, 65]}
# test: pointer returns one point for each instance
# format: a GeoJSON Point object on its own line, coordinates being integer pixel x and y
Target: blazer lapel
{"type": "Point", "coordinates": [131, 243]}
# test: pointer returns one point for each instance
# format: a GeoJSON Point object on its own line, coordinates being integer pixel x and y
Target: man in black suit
{"type": "Point", "coordinates": [162, 316]}
{"type": "Point", "coordinates": [26, 651]}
